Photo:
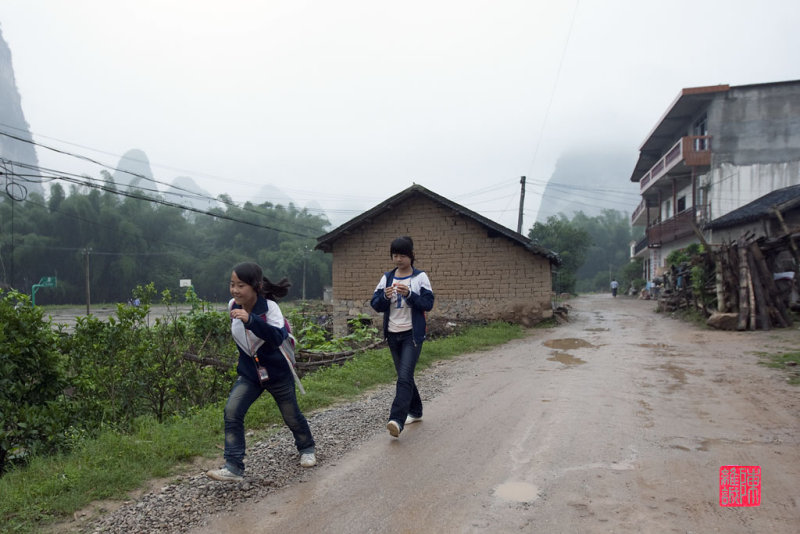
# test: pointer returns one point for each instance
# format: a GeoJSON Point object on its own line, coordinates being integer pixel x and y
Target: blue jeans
{"type": "Point", "coordinates": [405, 355]}
{"type": "Point", "coordinates": [243, 394]}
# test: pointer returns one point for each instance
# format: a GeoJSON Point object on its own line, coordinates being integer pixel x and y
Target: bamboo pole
{"type": "Point", "coordinates": [776, 301]}
{"type": "Point", "coordinates": [744, 301]}
{"type": "Point", "coordinates": [722, 301]}
{"type": "Point", "coordinates": [788, 233]}
{"type": "Point", "coordinates": [760, 312]}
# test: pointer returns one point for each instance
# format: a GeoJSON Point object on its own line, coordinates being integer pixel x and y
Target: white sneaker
{"type": "Point", "coordinates": [394, 428]}
{"type": "Point", "coordinates": [224, 475]}
{"type": "Point", "coordinates": [308, 459]}
{"type": "Point", "coordinates": [411, 419]}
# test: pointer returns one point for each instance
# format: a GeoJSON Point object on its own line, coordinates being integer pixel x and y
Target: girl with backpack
{"type": "Point", "coordinates": [404, 294]}
{"type": "Point", "coordinates": [259, 329]}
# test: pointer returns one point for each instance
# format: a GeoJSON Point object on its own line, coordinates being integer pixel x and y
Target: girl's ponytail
{"type": "Point", "coordinates": [275, 291]}
{"type": "Point", "coordinates": [252, 274]}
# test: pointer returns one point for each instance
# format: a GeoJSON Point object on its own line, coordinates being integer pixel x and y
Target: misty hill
{"type": "Point", "coordinates": [12, 121]}
{"type": "Point", "coordinates": [590, 181]}
{"type": "Point", "coordinates": [185, 191]}
{"type": "Point", "coordinates": [134, 172]}
{"type": "Point", "coordinates": [315, 208]}
{"type": "Point", "coordinates": [272, 194]}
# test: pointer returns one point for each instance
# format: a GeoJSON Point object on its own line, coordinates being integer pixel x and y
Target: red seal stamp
{"type": "Point", "coordinates": [740, 485]}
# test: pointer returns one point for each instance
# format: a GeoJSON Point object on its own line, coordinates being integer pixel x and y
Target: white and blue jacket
{"type": "Point", "coordinates": [262, 334]}
{"type": "Point", "coordinates": [419, 299]}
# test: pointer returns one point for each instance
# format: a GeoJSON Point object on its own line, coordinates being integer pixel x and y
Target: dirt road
{"type": "Point", "coordinates": [68, 316]}
{"type": "Point", "coordinates": [616, 422]}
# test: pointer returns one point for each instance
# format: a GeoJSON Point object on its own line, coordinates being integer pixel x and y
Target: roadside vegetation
{"type": "Point", "coordinates": [98, 412]}
{"type": "Point", "coordinates": [593, 251]}
{"type": "Point", "coordinates": [787, 361]}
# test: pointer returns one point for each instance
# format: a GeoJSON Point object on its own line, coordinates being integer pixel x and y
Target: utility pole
{"type": "Point", "coordinates": [521, 204]}
{"type": "Point", "coordinates": [86, 253]}
{"type": "Point", "coordinates": [305, 251]}
{"type": "Point", "coordinates": [11, 280]}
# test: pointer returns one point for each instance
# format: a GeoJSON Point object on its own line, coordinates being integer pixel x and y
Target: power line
{"type": "Point", "coordinates": [96, 223]}
{"type": "Point", "coordinates": [555, 84]}
{"type": "Point", "coordinates": [86, 182]}
{"type": "Point", "coordinates": [309, 194]}
{"type": "Point", "coordinates": [147, 178]}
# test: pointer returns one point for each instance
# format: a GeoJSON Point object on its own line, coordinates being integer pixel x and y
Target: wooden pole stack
{"type": "Point", "coordinates": [745, 283]}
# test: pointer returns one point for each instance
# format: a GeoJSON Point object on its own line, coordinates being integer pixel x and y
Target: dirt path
{"type": "Point", "coordinates": [616, 422]}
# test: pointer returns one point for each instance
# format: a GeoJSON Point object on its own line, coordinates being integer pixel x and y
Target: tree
{"type": "Point", "coordinates": [123, 242]}
{"type": "Point", "coordinates": [569, 241]}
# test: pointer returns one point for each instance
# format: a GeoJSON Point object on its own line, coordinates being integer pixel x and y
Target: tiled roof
{"type": "Point", "coordinates": [324, 242]}
{"type": "Point", "coordinates": [761, 208]}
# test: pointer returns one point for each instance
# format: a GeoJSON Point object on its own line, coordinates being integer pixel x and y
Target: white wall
{"type": "Point", "coordinates": [731, 186]}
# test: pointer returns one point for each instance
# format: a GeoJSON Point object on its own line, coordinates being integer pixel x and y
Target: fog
{"type": "Point", "coordinates": [343, 104]}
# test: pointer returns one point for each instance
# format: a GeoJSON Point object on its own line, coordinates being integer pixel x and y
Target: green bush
{"type": "Point", "coordinates": [123, 368]}
{"type": "Point", "coordinates": [312, 337]}
{"type": "Point", "coordinates": [34, 412]}
{"type": "Point", "coordinates": [59, 388]}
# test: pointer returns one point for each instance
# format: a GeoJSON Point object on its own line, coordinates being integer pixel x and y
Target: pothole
{"type": "Point", "coordinates": [568, 343]}
{"type": "Point", "coordinates": [566, 358]}
{"type": "Point", "coordinates": [517, 492]}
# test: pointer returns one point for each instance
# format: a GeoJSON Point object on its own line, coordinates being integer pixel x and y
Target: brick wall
{"type": "Point", "coordinates": [474, 276]}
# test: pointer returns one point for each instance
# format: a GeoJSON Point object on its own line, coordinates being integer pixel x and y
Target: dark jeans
{"type": "Point", "coordinates": [405, 355]}
{"type": "Point", "coordinates": [243, 394]}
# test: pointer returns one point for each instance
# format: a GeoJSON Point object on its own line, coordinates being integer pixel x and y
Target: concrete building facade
{"type": "Point", "coordinates": [715, 150]}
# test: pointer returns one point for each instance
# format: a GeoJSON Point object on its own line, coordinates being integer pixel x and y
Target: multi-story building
{"type": "Point", "coordinates": [715, 150]}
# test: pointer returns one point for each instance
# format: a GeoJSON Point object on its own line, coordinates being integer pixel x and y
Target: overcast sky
{"type": "Point", "coordinates": [348, 102]}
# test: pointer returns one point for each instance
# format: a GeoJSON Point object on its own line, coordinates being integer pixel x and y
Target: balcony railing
{"type": "Point", "coordinates": [640, 245]}
{"type": "Point", "coordinates": [672, 229]}
{"type": "Point", "coordinates": [639, 209]}
{"type": "Point", "coordinates": [693, 150]}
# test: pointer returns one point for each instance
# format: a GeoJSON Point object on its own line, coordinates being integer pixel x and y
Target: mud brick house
{"type": "Point", "coordinates": [479, 270]}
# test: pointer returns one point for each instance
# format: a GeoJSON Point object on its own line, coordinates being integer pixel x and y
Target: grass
{"type": "Point", "coordinates": [788, 361]}
{"type": "Point", "coordinates": [52, 488]}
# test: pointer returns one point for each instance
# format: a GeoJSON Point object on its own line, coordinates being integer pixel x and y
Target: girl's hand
{"type": "Point", "coordinates": [388, 291]}
{"type": "Point", "coordinates": [403, 289]}
{"type": "Point", "coordinates": [240, 314]}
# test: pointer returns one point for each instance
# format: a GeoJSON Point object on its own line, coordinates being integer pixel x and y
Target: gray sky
{"type": "Point", "coordinates": [346, 103]}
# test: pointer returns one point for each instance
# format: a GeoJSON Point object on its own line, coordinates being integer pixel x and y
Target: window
{"type": "Point", "coordinates": [681, 205]}
{"type": "Point", "coordinates": [667, 209]}
{"type": "Point", "coordinates": [700, 128]}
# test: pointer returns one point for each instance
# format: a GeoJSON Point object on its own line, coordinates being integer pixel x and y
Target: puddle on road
{"type": "Point", "coordinates": [566, 358]}
{"type": "Point", "coordinates": [568, 343]}
{"type": "Point", "coordinates": [517, 492]}
{"type": "Point", "coordinates": [564, 345]}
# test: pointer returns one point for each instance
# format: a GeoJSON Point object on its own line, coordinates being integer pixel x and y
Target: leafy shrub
{"type": "Point", "coordinates": [34, 413]}
{"type": "Point", "coordinates": [123, 368]}
{"type": "Point", "coordinates": [313, 337]}
{"type": "Point", "coordinates": [684, 255]}
{"type": "Point", "coordinates": [58, 388]}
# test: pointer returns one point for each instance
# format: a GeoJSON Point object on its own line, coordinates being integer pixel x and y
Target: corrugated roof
{"type": "Point", "coordinates": [761, 208]}
{"type": "Point", "coordinates": [324, 242]}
